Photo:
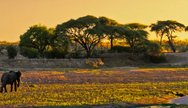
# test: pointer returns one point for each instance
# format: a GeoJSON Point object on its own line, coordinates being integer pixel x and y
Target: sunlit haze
{"type": "Point", "coordinates": [18, 15]}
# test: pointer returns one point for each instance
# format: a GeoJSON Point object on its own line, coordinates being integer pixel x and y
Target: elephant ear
{"type": "Point", "coordinates": [18, 74]}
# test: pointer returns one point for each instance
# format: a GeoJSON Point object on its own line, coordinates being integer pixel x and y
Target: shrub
{"type": "Point", "coordinates": [153, 53]}
{"type": "Point", "coordinates": [29, 52]}
{"type": "Point", "coordinates": [76, 54]}
{"type": "Point", "coordinates": [120, 49]}
{"type": "Point", "coordinates": [94, 63]}
{"type": "Point", "coordinates": [148, 47]}
{"type": "Point", "coordinates": [55, 53]}
{"type": "Point", "coordinates": [97, 53]}
{"type": "Point", "coordinates": [12, 52]}
{"type": "Point", "coordinates": [161, 58]}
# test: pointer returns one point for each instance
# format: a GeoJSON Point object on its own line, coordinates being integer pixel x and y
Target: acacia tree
{"type": "Point", "coordinates": [167, 28]}
{"type": "Point", "coordinates": [135, 34]}
{"type": "Point", "coordinates": [186, 28]}
{"type": "Point", "coordinates": [111, 29]}
{"type": "Point", "coordinates": [136, 26]}
{"type": "Point", "coordinates": [37, 37]}
{"type": "Point", "coordinates": [84, 31]}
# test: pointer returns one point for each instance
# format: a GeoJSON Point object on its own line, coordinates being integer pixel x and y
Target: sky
{"type": "Point", "coordinates": [16, 16]}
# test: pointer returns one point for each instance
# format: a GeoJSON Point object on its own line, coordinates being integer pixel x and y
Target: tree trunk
{"type": "Point", "coordinates": [88, 53]}
{"type": "Point", "coordinates": [171, 45]}
{"type": "Point", "coordinates": [161, 37]}
{"type": "Point", "coordinates": [111, 42]}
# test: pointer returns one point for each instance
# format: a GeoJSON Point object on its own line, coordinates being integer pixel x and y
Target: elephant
{"type": "Point", "coordinates": [11, 78]}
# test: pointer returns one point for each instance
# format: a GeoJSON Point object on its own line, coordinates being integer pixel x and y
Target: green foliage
{"type": "Point", "coordinates": [59, 47]}
{"type": "Point", "coordinates": [98, 52]}
{"type": "Point", "coordinates": [5, 44]}
{"type": "Point", "coordinates": [120, 49]}
{"type": "Point", "coordinates": [107, 21]}
{"type": "Point", "coordinates": [152, 53]}
{"type": "Point", "coordinates": [76, 54]}
{"type": "Point", "coordinates": [186, 28]}
{"type": "Point", "coordinates": [181, 45]}
{"type": "Point", "coordinates": [136, 26]}
{"type": "Point", "coordinates": [111, 29]}
{"type": "Point", "coordinates": [56, 53]}
{"type": "Point", "coordinates": [12, 52]}
{"type": "Point", "coordinates": [29, 52]}
{"type": "Point", "coordinates": [87, 31]}
{"type": "Point", "coordinates": [84, 31]}
{"type": "Point", "coordinates": [135, 35]}
{"type": "Point", "coordinates": [160, 58]}
{"type": "Point", "coordinates": [37, 37]}
{"type": "Point", "coordinates": [167, 28]}
{"type": "Point", "coordinates": [152, 48]}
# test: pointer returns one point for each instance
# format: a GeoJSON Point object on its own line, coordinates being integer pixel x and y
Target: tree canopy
{"type": "Point", "coordinates": [85, 33]}
{"type": "Point", "coordinates": [135, 34]}
{"type": "Point", "coordinates": [84, 30]}
{"type": "Point", "coordinates": [167, 28]}
{"type": "Point", "coordinates": [37, 37]}
{"type": "Point", "coordinates": [111, 29]}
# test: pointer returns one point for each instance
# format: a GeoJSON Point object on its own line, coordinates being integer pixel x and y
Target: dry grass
{"type": "Point", "coordinates": [82, 76]}
{"type": "Point", "coordinates": [97, 86]}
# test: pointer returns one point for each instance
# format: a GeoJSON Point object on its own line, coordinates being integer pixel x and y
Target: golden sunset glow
{"type": "Point", "coordinates": [18, 15]}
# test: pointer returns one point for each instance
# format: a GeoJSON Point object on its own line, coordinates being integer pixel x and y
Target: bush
{"type": "Point", "coordinates": [29, 52]}
{"type": "Point", "coordinates": [161, 58]}
{"type": "Point", "coordinates": [94, 63]}
{"type": "Point", "coordinates": [76, 54]}
{"type": "Point", "coordinates": [12, 52]}
{"type": "Point", "coordinates": [182, 48]}
{"type": "Point", "coordinates": [153, 53]}
{"type": "Point", "coordinates": [148, 47]}
{"type": "Point", "coordinates": [55, 53]}
{"type": "Point", "coordinates": [120, 49]}
{"type": "Point", "coordinates": [97, 53]}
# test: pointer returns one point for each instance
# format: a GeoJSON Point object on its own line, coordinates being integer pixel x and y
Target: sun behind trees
{"type": "Point", "coordinates": [82, 37]}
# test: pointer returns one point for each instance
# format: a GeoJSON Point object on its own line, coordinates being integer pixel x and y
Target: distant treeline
{"type": "Point", "coordinates": [5, 43]}
{"type": "Point", "coordinates": [85, 37]}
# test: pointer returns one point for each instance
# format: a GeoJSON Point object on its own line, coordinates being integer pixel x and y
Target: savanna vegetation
{"type": "Point", "coordinates": [91, 36]}
{"type": "Point", "coordinates": [97, 88]}
{"type": "Point", "coordinates": [86, 37]}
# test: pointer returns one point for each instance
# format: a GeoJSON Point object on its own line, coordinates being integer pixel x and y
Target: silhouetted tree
{"type": "Point", "coordinates": [136, 26]}
{"type": "Point", "coordinates": [37, 37]}
{"type": "Point", "coordinates": [111, 28]}
{"type": "Point", "coordinates": [135, 34]}
{"type": "Point", "coordinates": [186, 28]}
{"type": "Point", "coordinates": [167, 28]}
{"type": "Point", "coordinates": [84, 30]}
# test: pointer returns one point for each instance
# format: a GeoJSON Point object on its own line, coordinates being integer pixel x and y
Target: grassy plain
{"type": "Point", "coordinates": [118, 87]}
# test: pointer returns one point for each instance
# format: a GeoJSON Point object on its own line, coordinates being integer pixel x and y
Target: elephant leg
{"type": "Point", "coordinates": [18, 83]}
{"type": "Point", "coordinates": [15, 86]}
{"type": "Point", "coordinates": [5, 87]}
{"type": "Point", "coordinates": [11, 87]}
{"type": "Point", "coordinates": [2, 89]}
